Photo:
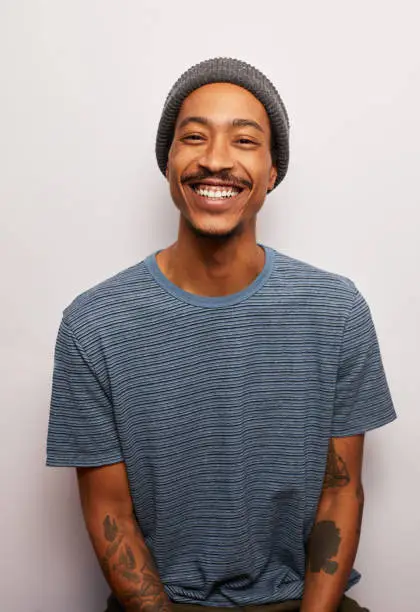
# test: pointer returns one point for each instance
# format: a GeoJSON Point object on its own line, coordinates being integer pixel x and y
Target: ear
{"type": "Point", "coordinates": [167, 172]}
{"type": "Point", "coordinates": [272, 178]}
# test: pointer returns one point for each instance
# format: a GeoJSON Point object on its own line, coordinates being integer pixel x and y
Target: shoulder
{"type": "Point", "coordinates": [309, 284]}
{"type": "Point", "coordinates": [107, 301]}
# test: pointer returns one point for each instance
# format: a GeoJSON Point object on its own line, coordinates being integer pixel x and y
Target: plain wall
{"type": "Point", "coordinates": [82, 87]}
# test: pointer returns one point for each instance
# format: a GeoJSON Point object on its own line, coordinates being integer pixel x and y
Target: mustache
{"type": "Point", "coordinates": [221, 176]}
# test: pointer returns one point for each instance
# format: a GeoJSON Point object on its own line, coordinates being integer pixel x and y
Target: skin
{"type": "Point", "coordinates": [216, 252]}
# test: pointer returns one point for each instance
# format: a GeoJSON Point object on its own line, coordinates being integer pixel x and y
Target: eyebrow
{"type": "Point", "coordinates": [235, 122]}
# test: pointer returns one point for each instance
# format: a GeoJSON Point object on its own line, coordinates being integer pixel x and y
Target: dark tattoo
{"type": "Point", "coordinates": [147, 593]}
{"type": "Point", "coordinates": [336, 472]}
{"type": "Point", "coordinates": [323, 545]}
{"type": "Point", "coordinates": [109, 553]}
{"type": "Point", "coordinates": [126, 564]}
{"type": "Point", "coordinates": [110, 529]}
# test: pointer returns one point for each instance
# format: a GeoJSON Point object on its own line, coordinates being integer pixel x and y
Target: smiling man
{"type": "Point", "coordinates": [214, 397]}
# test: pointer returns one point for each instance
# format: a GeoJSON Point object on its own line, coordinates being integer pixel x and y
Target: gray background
{"type": "Point", "coordinates": [82, 87]}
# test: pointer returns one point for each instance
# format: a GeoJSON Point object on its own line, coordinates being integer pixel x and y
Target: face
{"type": "Point", "coordinates": [220, 166]}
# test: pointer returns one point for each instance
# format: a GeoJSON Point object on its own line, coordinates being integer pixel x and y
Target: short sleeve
{"type": "Point", "coordinates": [81, 429]}
{"type": "Point", "coordinates": [362, 399]}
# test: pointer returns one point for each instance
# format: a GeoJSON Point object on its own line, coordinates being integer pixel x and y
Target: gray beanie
{"type": "Point", "coordinates": [226, 70]}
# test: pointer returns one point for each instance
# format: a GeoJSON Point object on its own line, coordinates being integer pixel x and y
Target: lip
{"type": "Point", "coordinates": [216, 183]}
{"type": "Point", "coordinates": [209, 204]}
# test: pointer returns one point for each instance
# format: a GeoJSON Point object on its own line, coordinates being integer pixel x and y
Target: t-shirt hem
{"type": "Point", "coordinates": [360, 429]}
{"type": "Point", "coordinates": [82, 460]}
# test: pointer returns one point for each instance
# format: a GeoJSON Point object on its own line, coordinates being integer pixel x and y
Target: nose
{"type": "Point", "coordinates": [216, 156]}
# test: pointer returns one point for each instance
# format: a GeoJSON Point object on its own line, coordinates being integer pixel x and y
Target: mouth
{"type": "Point", "coordinates": [215, 194]}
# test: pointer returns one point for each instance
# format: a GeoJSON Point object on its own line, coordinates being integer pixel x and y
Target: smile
{"type": "Point", "coordinates": [216, 192]}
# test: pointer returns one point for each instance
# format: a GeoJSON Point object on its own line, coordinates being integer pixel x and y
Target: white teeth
{"type": "Point", "coordinates": [216, 194]}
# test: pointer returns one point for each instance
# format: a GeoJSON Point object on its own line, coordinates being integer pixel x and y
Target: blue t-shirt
{"type": "Point", "coordinates": [221, 409]}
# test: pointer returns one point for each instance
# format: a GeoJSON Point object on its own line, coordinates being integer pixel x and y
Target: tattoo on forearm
{"type": "Point", "coordinates": [110, 529]}
{"type": "Point", "coordinates": [323, 545]}
{"type": "Point", "coordinates": [336, 472]}
{"type": "Point", "coordinates": [147, 592]}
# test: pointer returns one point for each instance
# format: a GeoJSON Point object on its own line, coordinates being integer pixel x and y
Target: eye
{"type": "Point", "coordinates": [193, 137]}
{"type": "Point", "coordinates": [246, 141]}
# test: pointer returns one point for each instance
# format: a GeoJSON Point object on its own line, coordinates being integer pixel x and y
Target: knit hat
{"type": "Point", "coordinates": [226, 70]}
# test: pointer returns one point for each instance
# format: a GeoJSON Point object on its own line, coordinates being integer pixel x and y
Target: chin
{"type": "Point", "coordinates": [217, 233]}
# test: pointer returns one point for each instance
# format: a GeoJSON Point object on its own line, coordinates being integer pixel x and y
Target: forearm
{"type": "Point", "coordinates": [332, 550]}
{"type": "Point", "coordinates": [127, 563]}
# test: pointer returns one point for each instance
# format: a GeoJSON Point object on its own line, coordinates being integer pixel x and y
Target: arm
{"type": "Point", "coordinates": [117, 540]}
{"type": "Point", "coordinates": [335, 536]}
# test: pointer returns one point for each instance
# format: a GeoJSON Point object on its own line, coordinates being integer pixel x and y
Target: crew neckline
{"type": "Point", "coordinates": [204, 300]}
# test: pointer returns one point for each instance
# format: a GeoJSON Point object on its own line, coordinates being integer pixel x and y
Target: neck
{"type": "Point", "coordinates": [212, 267]}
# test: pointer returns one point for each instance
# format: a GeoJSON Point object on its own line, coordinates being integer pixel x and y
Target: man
{"type": "Point", "coordinates": [214, 397]}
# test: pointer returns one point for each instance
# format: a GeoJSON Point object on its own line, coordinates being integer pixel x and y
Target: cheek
{"type": "Point", "coordinates": [173, 173]}
{"type": "Point", "coordinates": [259, 164]}
{"type": "Point", "coordinates": [179, 160]}
{"type": "Point", "coordinates": [262, 175]}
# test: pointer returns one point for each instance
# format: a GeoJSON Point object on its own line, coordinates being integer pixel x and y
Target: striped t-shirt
{"type": "Point", "coordinates": [221, 409]}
